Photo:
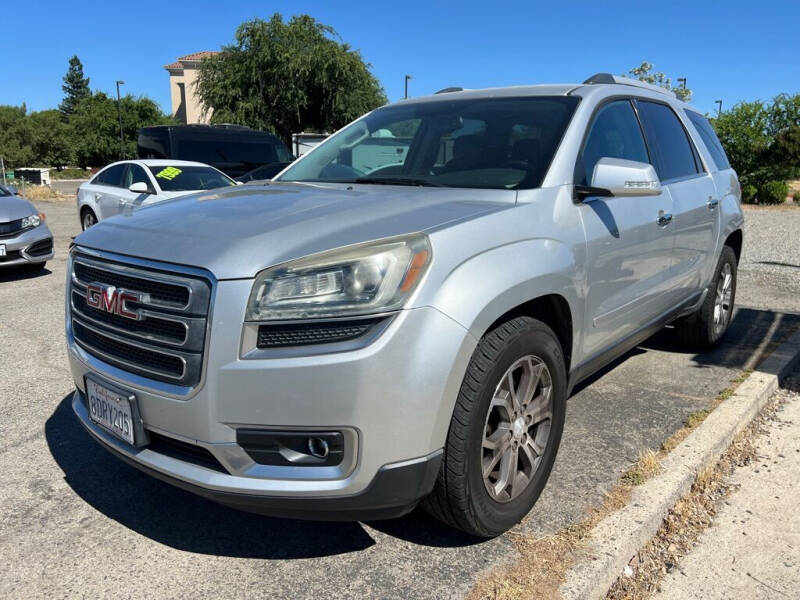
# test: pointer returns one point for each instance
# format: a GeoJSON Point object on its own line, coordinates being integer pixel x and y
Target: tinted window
{"type": "Point", "coordinates": [111, 176]}
{"type": "Point", "coordinates": [494, 143]}
{"type": "Point", "coordinates": [668, 141]}
{"type": "Point", "coordinates": [710, 139]}
{"type": "Point", "coordinates": [615, 133]}
{"type": "Point", "coordinates": [185, 178]}
{"type": "Point", "coordinates": [153, 143]}
{"type": "Point", "coordinates": [4, 191]}
{"type": "Point", "coordinates": [215, 152]}
{"type": "Point", "coordinates": [135, 174]}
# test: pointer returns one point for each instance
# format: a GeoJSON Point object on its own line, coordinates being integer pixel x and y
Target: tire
{"type": "Point", "coordinates": [88, 218]}
{"type": "Point", "coordinates": [461, 496]}
{"type": "Point", "coordinates": [702, 330]}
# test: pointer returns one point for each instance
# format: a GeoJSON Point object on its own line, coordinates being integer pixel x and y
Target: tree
{"type": "Point", "coordinates": [51, 139]}
{"type": "Point", "coordinates": [15, 138]}
{"type": "Point", "coordinates": [288, 77]}
{"type": "Point", "coordinates": [76, 87]}
{"type": "Point", "coordinates": [762, 141]}
{"type": "Point", "coordinates": [95, 128]}
{"type": "Point", "coordinates": [644, 72]}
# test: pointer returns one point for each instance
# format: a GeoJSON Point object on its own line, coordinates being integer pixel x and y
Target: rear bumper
{"type": "Point", "coordinates": [394, 491]}
{"type": "Point", "coordinates": [18, 247]}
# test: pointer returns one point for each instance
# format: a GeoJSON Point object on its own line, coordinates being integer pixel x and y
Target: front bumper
{"type": "Point", "coordinates": [393, 399]}
{"type": "Point", "coordinates": [18, 247]}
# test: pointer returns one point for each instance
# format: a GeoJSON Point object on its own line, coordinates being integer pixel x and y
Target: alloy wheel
{"type": "Point", "coordinates": [722, 301]}
{"type": "Point", "coordinates": [517, 428]}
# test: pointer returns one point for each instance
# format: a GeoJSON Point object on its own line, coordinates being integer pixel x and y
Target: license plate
{"type": "Point", "coordinates": [2, 249]}
{"type": "Point", "coordinates": [111, 409]}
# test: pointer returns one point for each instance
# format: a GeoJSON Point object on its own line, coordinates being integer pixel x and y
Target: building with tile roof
{"type": "Point", "coordinates": [186, 106]}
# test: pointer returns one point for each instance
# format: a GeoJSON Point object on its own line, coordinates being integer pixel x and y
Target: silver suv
{"type": "Point", "coordinates": [401, 315]}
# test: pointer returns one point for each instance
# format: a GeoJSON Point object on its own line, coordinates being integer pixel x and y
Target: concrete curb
{"type": "Point", "coordinates": [618, 537]}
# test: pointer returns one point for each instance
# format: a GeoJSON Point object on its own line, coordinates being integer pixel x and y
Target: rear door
{"type": "Point", "coordinates": [695, 215]}
{"type": "Point", "coordinates": [628, 251]}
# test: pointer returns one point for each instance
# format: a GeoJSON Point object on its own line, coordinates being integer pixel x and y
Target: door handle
{"type": "Point", "coordinates": [97, 196]}
{"type": "Point", "coordinates": [712, 203]}
{"type": "Point", "coordinates": [664, 220]}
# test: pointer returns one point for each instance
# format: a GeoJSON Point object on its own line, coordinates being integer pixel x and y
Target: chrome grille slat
{"type": "Point", "coordinates": [167, 342]}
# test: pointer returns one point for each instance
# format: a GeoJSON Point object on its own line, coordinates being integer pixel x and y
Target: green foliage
{"type": "Point", "coordinates": [76, 87]}
{"type": "Point", "coordinates": [70, 173]}
{"type": "Point", "coordinates": [749, 192]}
{"type": "Point", "coordinates": [288, 77]}
{"type": "Point", "coordinates": [95, 127]}
{"type": "Point", "coordinates": [15, 138]}
{"type": "Point", "coordinates": [644, 72]}
{"type": "Point", "coordinates": [762, 141]}
{"type": "Point", "coordinates": [773, 192]}
{"type": "Point", "coordinates": [50, 138]}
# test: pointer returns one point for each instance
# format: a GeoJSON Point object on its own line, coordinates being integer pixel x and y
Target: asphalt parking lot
{"type": "Point", "coordinates": [77, 522]}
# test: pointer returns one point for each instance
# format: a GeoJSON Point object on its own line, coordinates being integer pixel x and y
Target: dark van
{"type": "Point", "coordinates": [233, 149]}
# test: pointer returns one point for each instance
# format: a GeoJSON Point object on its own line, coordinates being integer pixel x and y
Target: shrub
{"type": "Point", "coordinates": [773, 192]}
{"type": "Point", "coordinates": [69, 173]}
{"type": "Point", "coordinates": [749, 192]}
{"type": "Point", "coordinates": [796, 197]}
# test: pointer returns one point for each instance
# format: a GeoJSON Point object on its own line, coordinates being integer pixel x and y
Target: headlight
{"type": "Point", "coordinates": [32, 221]}
{"type": "Point", "coordinates": [354, 280]}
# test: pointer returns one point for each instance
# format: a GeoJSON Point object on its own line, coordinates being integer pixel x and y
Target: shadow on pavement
{"type": "Point", "coordinates": [20, 273]}
{"type": "Point", "coordinates": [187, 522]}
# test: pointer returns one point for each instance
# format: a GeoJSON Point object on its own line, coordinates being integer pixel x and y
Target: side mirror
{"type": "Point", "coordinates": [622, 177]}
{"type": "Point", "coordinates": [140, 187]}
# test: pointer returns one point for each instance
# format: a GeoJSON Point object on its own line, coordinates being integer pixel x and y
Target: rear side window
{"type": "Point", "coordinates": [710, 139]}
{"type": "Point", "coordinates": [667, 139]}
{"type": "Point", "coordinates": [111, 176]}
{"type": "Point", "coordinates": [615, 133]}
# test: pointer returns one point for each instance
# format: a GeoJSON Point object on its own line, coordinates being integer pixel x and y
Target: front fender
{"type": "Point", "coordinates": [486, 286]}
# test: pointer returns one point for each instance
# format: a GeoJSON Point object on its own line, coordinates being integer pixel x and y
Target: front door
{"type": "Point", "coordinates": [628, 245]}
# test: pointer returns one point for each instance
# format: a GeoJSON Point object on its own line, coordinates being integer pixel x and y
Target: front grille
{"type": "Point", "coordinates": [10, 255]}
{"type": "Point", "coordinates": [197, 455]}
{"type": "Point", "coordinates": [303, 334]}
{"type": "Point", "coordinates": [40, 248]}
{"type": "Point", "coordinates": [166, 342]}
{"type": "Point", "coordinates": [164, 293]}
{"type": "Point", "coordinates": [10, 228]}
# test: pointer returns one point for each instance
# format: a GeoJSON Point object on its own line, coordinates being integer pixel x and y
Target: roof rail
{"type": "Point", "coordinates": [609, 78]}
{"type": "Point", "coordinates": [447, 90]}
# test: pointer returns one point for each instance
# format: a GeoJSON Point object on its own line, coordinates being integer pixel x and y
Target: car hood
{"type": "Point", "coordinates": [237, 232]}
{"type": "Point", "coordinates": [14, 207]}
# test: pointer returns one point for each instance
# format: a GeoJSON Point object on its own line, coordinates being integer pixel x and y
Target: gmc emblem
{"type": "Point", "coordinates": [112, 300]}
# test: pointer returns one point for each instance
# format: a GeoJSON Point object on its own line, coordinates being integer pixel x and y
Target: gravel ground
{"type": "Point", "coordinates": [77, 522]}
{"type": "Point", "coordinates": [769, 270]}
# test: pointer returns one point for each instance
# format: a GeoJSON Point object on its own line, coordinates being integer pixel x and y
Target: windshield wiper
{"type": "Point", "coordinates": [398, 181]}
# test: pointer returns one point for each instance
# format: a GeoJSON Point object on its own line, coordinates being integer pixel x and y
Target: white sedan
{"type": "Point", "coordinates": [131, 184]}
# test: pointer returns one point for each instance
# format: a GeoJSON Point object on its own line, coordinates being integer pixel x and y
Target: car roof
{"type": "Point", "coordinates": [164, 162]}
{"type": "Point", "coordinates": [602, 83]}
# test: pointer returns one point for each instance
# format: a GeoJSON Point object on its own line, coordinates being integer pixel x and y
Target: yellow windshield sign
{"type": "Point", "coordinates": [169, 173]}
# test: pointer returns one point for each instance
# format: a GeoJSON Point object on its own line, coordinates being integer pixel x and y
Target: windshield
{"type": "Point", "coordinates": [183, 178]}
{"type": "Point", "coordinates": [494, 143]}
{"type": "Point", "coordinates": [4, 191]}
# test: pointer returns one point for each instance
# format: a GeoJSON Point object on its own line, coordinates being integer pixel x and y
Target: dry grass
{"type": "Point", "coordinates": [688, 519]}
{"type": "Point", "coordinates": [541, 568]}
{"type": "Point", "coordinates": [43, 192]}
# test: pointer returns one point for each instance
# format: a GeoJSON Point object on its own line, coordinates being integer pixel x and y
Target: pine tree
{"type": "Point", "coordinates": [76, 87]}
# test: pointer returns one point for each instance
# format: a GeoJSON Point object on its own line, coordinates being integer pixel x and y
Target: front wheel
{"type": "Point", "coordinates": [505, 430]}
{"type": "Point", "coordinates": [706, 327]}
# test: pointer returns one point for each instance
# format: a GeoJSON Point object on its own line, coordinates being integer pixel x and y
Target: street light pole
{"type": "Point", "coordinates": [719, 106]}
{"type": "Point", "coordinates": [407, 78]}
{"type": "Point", "coordinates": [119, 114]}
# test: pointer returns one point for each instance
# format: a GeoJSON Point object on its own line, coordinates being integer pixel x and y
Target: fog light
{"type": "Point", "coordinates": [318, 447]}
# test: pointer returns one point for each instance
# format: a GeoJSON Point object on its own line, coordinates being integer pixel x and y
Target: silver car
{"type": "Point", "coordinates": [131, 184]}
{"type": "Point", "coordinates": [25, 239]}
{"type": "Point", "coordinates": [400, 317]}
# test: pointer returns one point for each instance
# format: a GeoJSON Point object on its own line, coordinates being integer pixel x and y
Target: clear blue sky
{"type": "Point", "coordinates": [736, 50]}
